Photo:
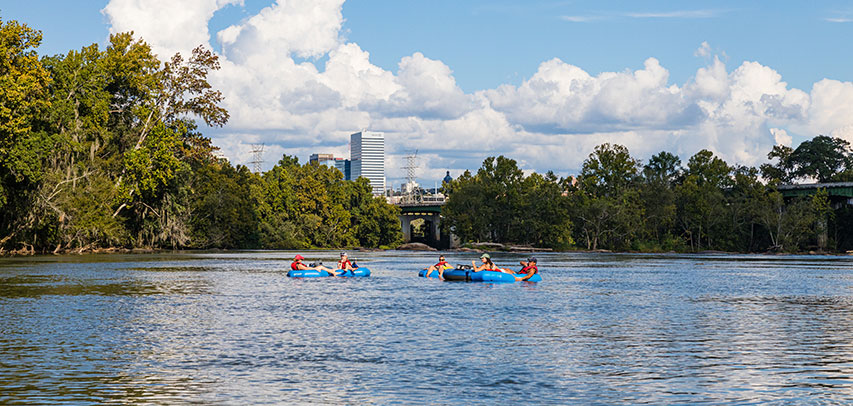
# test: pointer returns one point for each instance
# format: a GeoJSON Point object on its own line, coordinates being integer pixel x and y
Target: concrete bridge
{"type": "Point", "coordinates": [421, 222]}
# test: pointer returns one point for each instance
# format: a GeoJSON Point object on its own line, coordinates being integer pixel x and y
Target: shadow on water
{"type": "Point", "coordinates": [19, 286]}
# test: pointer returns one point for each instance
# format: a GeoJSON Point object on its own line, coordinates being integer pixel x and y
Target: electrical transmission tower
{"type": "Point", "coordinates": [257, 157]}
{"type": "Point", "coordinates": [411, 168]}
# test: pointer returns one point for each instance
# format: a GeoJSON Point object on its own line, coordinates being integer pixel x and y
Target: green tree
{"type": "Point", "coordinates": [782, 171]}
{"type": "Point", "coordinates": [545, 218]}
{"type": "Point", "coordinates": [607, 209]}
{"type": "Point", "coordinates": [737, 230]}
{"type": "Point", "coordinates": [657, 194]}
{"type": "Point", "coordinates": [223, 214]}
{"type": "Point", "coordinates": [501, 187]}
{"type": "Point", "coordinates": [823, 214]}
{"type": "Point", "coordinates": [609, 170]}
{"type": "Point", "coordinates": [464, 214]}
{"type": "Point", "coordinates": [375, 222]}
{"type": "Point", "coordinates": [485, 206]}
{"type": "Point", "coordinates": [304, 206]}
{"type": "Point", "coordinates": [276, 208]}
{"type": "Point", "coordinates": [700, 200]}
{"type": "Point", "coordinates": [23, 99]}
{"type": "Point", "coordinates": [822, 158]}
{"type": "Point", "coordinates": [77, 189]}
{"type": "Point", "coordinates": [500, 204]}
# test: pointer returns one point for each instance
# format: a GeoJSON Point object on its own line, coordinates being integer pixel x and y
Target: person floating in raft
{"type": "Point", "coordinates": [487, 265]}
{"type": "Point", "coordinates": [529, 269]}
{"type": "Point", "coordinates": [345, 264]}
{"type": "Point", "coordinates": [441, 266]}
{"type": "Point", "coordinates": [297, 265]}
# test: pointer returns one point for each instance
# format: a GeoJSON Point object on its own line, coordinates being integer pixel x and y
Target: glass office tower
{"type": "Point", "coordinates": [367, 158]}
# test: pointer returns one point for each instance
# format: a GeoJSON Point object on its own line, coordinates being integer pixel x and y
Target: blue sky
{"type": "Point", "coordinates": [473, 48]}
{"type": "Point", "coordinates": [492, 42]}
{"type": "Point", "coordinates": [488, 43]}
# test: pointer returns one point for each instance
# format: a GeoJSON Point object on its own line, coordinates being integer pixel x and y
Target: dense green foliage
{"type": "Point", "coordinates": [617, 203]}
{"type": "Point", "coordinates": [99, 148]}
{"type": "Point", "coordinates": [500, 204]}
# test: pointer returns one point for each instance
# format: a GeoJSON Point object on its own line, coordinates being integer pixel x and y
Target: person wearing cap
{"type": "Point", "coordinates": [298, 265]}
{"type": "Point", "coordinates": [487, 265]}
{"type": "Point", "coordinates": [529, 269]}
{"type": "Point", "coordinates": [441, 266]}
{"type": "Point", "coordinates": [345, 264]}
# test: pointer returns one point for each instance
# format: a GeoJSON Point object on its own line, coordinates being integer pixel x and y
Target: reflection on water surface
{"type": "Point", "coordinates": [602, 328]}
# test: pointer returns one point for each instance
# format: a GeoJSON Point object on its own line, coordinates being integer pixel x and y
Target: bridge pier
{"type": "Point", "coordinates": [422, 223]}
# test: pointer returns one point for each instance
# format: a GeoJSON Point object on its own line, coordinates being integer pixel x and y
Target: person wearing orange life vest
{"type": "Point", "coordinates": [297, 265]}
{"type": "Point", "coordinates": [441, 266]}
{"type": "Point", "coordinates": [529, 269]}
{"type": "Point", "coordinates": [345, 264]}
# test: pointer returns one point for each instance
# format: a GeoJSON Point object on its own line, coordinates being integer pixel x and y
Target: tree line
{"type": "Point", "coordinates": [618, 202]}
{"type": "Point", "coordinates": [100, 148]}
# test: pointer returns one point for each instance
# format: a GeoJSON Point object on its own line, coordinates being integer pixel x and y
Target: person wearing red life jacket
{"type": "Point", "coordinates": [297, 265]}
{"type": "Point", "coordinates": [345, 264]}
{"type": "Point", "coordinates": [529, 269]}
{"type": "Point", "coordinates": [441, 266]}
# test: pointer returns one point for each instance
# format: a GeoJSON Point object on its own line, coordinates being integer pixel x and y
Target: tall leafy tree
{"type": "Point", "coordinates": [701, 201]}
{"type": "Point", "coordinates": [609, 170]}
{"type": "Point", "coordinates": [500, 204]}
{"type": "Point", "coordinates": [782, 171]}
{"type": "Point", "coordinates": [23, 99]}
{"type": "Point", "coordinates": [464, 213]}
{"type": "Point", "coordinates": [305, 206]}
{"type": "Point", "coordinates": [99, 147]}
{"type": "Point", "coordinates": [657, 194]}
{"type": "Point", "coordinates": [545, 219]}
{"type": "Point", "coordinates": [607, 204]}
{"type": "Point", "coordinates": [501, 183]}
{"type": "Point", "coordinates": [222, 207]}
{"type": "Point", "coordinates": [821, 158]}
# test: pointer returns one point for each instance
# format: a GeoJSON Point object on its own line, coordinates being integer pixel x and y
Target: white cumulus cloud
{"type": "Point", "coordinates": [781, 137]}
{"type": "Point", "coordinates": [168, 26]}
{"type": "Point", "coordinates": [279, 94]}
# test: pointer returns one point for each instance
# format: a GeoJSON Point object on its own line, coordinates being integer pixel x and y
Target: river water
{"type": "Point", "coordinates": [230, 328]}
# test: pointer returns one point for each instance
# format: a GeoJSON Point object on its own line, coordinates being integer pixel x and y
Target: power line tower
{"type": "Point", "coordinates": [411, 169]}
{"type": "Point", "coordinates": [257, 157]}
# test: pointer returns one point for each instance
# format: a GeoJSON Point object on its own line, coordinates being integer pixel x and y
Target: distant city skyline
{"type": "Point", "coordinates": [541, 81]}
{"type": "Point", "coordinates": [344, 165]}
{"type": "Point", "coordinates": [367, 160]}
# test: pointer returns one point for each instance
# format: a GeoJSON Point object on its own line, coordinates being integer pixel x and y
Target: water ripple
{"type": "Point", "coordinates": [229, 328]}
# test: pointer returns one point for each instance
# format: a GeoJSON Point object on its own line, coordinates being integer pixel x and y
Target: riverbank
{"type": "Point", "coordinates": [469, 248]}
{"type": "Point", "coordinates": [30, 251]}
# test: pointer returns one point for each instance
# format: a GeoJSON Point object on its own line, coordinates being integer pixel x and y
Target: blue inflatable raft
{"type": "Point", "coordinates": [311, 273]}
{"type": "Point", "coordinates": [468, 275]}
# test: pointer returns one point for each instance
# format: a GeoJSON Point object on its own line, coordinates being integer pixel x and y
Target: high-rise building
{"type": "Point", "coordinates": [368, 159]}
{"type": "Point", "coordinates": [345, 167]}
{"type": "Point", "coordinates": [323, 159]}
{"type": "Point", "coordinates": [331, 161]}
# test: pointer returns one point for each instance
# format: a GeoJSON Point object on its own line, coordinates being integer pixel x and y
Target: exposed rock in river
{"type": "Point", "coordinates": [416, 246]}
